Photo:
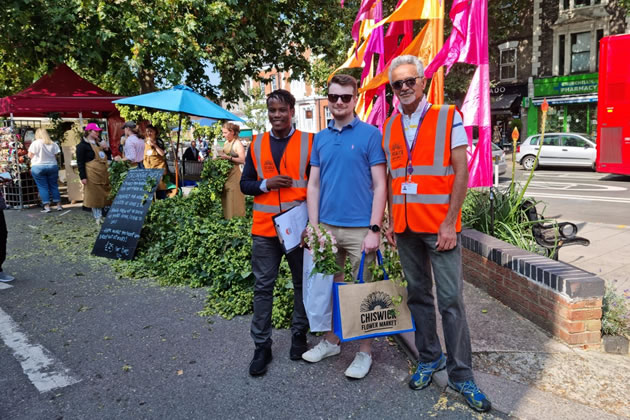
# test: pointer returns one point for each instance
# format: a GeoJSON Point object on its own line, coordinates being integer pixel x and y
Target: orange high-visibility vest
{"type": "Point", "coordinates": [294, 162]}
{"type": "Point", "coordinates": [424, 211]}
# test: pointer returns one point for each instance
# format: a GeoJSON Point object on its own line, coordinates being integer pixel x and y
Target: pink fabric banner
{"type": "Point", "coordinates": [468, 43]}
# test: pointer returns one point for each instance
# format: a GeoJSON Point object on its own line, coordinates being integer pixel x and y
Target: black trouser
{"type": "Point", "coordinates": [267, 254]}
{"type": "Point", "coordinates": [3, 239]}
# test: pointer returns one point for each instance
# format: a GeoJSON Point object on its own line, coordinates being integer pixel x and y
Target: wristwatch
{"type": "Point", "coordinates": [375, 228]}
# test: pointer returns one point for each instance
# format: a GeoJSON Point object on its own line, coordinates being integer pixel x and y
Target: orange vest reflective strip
{"type": "Point", "coordinates": [432, 171]}
{"type": "Point", "coordinates": [294, 162]}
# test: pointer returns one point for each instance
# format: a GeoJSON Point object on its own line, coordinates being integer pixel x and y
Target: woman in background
{"type": "Point", "coordinates": [92, 163]}
{"type": "Point", "coordinates": [232, 199]}
{"type": "Point", "coordinates": [43, 153]}
{"type": "Point", "coordinates": [155, 157]}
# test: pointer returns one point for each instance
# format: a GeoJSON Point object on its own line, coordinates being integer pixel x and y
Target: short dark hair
{"type": "Point", "coordinates": [344, 80]}
{"type": "Point", "coordinates": [154, 128]}
{"type": "Point", "coordinates": [282, 95]}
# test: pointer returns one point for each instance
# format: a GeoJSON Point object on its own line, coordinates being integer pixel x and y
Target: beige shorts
{"type": "Point", "coordinates": [349, 240]}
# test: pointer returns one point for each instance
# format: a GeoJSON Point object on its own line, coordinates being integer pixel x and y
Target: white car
{"type": "Point", "coordinates": [558, 149]}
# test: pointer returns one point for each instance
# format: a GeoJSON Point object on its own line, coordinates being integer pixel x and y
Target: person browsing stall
{"type": "Point", "coordinates": [44, 168]}
{"type": "Point", "coordinates": [425, 146]}
{"type": "Point", "coordinates": [133, 149]}
{"type": "Point", "coordinates": [275, 173]}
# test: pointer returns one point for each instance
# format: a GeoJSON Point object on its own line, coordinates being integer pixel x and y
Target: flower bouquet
{"type": "Point", "coordinates": [323, 248]}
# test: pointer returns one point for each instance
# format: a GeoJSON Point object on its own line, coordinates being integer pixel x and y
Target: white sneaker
{"type": "Point", "coordinates": [4, 277]}
{"type": "Point", "coordinates": [360, 366]}
{"type": "Point", "coordinates": [321, 351]}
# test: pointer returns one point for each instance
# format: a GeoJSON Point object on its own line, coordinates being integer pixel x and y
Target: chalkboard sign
{"type": "Point", "coordinates": [120, 232]}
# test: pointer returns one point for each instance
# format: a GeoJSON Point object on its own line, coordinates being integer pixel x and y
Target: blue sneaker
{"type": "Point", "coordinates": [424, 373]}
{"type": "Point", "coordinates": [476, 399]}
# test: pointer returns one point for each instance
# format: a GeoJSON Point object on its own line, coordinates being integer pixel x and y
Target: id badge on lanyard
{"type": "Point", "coordinates": [410, 187]}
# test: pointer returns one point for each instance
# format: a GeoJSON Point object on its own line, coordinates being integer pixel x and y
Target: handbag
{"type": "Point", "coordinates": [317, 296]}
{"type": "Point", "coordinates": [365, 310]}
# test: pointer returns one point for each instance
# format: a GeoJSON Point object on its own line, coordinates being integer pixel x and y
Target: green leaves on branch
{"type": "Point", "coordinates": [186, 241]}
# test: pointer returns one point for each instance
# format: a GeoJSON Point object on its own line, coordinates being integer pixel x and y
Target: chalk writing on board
{"type": "Point", "coordinates": [120, 233]}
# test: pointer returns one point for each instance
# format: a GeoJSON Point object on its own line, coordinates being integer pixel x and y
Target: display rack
{"type": "Point", "coordinates": [14, 159]}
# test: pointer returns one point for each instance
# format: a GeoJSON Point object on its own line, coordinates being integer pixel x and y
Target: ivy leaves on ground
{"type": "Point", "coordinates": [186, 241]}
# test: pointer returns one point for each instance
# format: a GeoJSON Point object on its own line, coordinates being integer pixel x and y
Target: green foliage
{"type": "Point", "coordinates": [186, 241]}
{"type": "Point", "coordinates": [210, 132]}
{"type": "Point", "coordinates": [117, 173]}
{"type": "Point", "coordinates": [510, 222]}
{"type": "Point", "coordinates": [616, 312]}
{"type": "Point", "coordinates": [136, 46]}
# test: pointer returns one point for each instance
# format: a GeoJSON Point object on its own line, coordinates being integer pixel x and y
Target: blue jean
{"type": "Point", "coordinates": [45, 177]}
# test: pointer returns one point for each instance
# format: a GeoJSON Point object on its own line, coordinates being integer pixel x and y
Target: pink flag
{"type": "Point", "coordinates": [468, 43]}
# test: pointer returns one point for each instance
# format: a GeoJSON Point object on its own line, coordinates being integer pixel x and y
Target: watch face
{"type": "Point", "coordinates": [375, 228]}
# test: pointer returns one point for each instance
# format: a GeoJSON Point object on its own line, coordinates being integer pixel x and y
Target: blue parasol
{"type": "Point", "coordinates": [183, 100]}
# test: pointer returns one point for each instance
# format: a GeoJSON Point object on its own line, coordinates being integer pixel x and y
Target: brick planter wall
{"type": "Point", "coordinates": [559, 297]}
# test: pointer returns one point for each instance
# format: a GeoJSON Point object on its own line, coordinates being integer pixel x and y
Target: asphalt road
{"type": "Point", "coordinates": [77, 342]}
{"type": "Point", "coordinates": [578, 194]}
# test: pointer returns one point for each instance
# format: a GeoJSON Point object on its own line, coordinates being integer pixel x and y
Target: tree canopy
{"type": "Point", "coordinates": [134, 46]}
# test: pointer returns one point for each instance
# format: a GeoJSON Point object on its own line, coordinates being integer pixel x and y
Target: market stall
{"type": "Point", "coordinates": [67, 95]}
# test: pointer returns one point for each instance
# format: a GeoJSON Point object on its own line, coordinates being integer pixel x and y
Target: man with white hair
{"type": "Point", "coordinates": [425, 146]}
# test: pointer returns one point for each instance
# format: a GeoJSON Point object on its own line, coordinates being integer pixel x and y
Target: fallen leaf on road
{"type": "Point", "coordinates": [180, 372]}
{"type": "Point", "coordinates": [484, 311]}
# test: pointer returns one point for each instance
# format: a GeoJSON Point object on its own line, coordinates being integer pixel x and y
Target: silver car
{"type": "Point", "coordinates": [558, 149]}
{"type": "Point", "coordinates": [498, 156]}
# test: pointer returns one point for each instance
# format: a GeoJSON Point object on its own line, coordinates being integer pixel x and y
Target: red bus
{"type": "Point", "coordinates": [613, 107]}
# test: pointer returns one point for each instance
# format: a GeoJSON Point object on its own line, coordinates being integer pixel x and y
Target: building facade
{"type": "Point", "coordinates": [311, 108]}
{"type": "Point", "coordinates": [510, 71]}
{"type": "Point", "coordinates": [565, 61]}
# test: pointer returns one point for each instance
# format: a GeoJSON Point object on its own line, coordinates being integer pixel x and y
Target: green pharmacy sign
{"type": "Point", "coordinates": [566, 85]}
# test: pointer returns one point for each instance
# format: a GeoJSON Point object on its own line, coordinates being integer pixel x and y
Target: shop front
{"type": "Point", "coordinates": [572, 104]}
{"type": "Point", "coordinates": [505, 106]}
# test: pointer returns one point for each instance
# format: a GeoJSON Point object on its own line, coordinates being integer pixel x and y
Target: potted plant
{"type": "Point", "coordinates": [615, 320]}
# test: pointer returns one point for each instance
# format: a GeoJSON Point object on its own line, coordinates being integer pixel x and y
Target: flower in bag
{"type": "Point", "coordinates": [321, 244]}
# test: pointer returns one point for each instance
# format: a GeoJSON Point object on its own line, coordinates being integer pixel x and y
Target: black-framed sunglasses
{"type": "Point", "coordinates": [332, 98]}
{"type": "Point", "coordinates": [410, 83]}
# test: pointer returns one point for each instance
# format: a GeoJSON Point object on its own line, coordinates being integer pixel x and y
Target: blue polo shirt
{"type": "Point", "coordinates": [344, 158]}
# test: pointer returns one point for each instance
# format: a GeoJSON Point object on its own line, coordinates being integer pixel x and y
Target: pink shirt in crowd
{"type": "Point", "coordinates": [134, 148]}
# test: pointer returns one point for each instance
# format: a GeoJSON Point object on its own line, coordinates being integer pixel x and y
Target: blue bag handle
{"type": "Point", "coordinates": [379, 258]}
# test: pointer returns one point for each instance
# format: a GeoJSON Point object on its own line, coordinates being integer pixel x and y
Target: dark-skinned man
{"type": "Point", "coordinates": [275, 173]}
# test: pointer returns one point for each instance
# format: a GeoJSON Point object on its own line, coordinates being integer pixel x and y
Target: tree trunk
{"type": "Point", "coordinates": [146, 77]}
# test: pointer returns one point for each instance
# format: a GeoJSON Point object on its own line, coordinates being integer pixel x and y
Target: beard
{"type": "Point", "coordinates": [406, 100]}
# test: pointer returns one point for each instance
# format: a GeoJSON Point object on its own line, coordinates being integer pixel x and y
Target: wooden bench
{"type": "Point", "coordinates": [553, 236]}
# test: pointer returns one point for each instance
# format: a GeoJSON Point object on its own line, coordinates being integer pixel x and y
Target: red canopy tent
{"type": "Point", "coordinates": [64, 92]}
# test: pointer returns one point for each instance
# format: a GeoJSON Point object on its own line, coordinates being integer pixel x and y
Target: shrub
{"type": "Point", "coordinates": [186, 241]}
{"type": "Point", "coordinates": [616, 312]}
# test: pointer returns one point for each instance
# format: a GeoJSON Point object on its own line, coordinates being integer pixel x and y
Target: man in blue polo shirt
{"type": "Point", "coordinates": [347, 192]}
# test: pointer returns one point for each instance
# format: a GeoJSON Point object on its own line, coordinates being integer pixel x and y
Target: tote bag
{"type": "Point", "coordinates": [317, 296]}
{"type": "Point", "coordinates": [366, 310]}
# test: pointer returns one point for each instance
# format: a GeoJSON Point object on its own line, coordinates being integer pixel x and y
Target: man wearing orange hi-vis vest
{"type": "Point", "coordinates": [425, 146]}
{"type": "Point", "coordinates": [276, 174]}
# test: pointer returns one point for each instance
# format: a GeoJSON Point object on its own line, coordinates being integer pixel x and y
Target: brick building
{"type": "Point", "coordinates": [565, 61]}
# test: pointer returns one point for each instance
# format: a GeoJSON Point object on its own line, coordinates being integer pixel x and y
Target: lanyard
{"type": "Point", "coordinates": [415, 138]}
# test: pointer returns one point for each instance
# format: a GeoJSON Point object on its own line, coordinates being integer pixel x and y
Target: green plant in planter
{"type": "Point", "coordinates": [616, 312]}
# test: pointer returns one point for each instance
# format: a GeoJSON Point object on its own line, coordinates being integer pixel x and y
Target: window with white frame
{"type": "Point", "coordinates": [274, 83]}
{"type": "Point", "coordinates": [576, 4]}
{"type": "Point", "coordinates": [580, 52]}
{"type": "Point", "coordinates": [327, 115]}
{"type": "Point", "coordinates": [507, 60]}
